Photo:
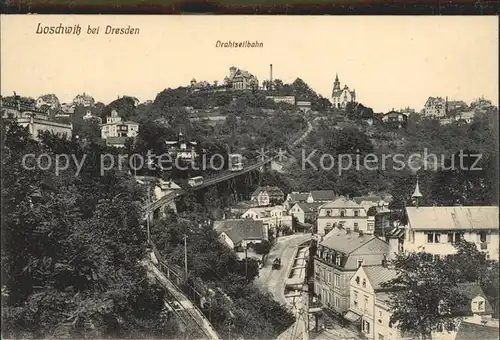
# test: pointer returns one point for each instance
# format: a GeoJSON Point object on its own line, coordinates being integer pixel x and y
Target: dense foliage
{"type": "Point", "coordinates": [425, 295]}
{"type": "Point", "coordinates": [249, 314]}
{"type": "Point", "coordinates": [71, 248]}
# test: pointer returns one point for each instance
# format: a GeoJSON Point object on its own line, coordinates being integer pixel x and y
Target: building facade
{"type": "Point", "coordinates": [282, 99]}
{"type": "Point", "coordinates": [338, 257]}
{"type": "Point", "coordinates": [342, 96]}
{"type": "Point", "coordinates": [395, 119]}
{"type": "Point", "coordinates": [49, 100]}
{"type": "Point", "coordinates": [115, 127]}
{"type": "Point", "coordinates": [435, 107]}
{"type": "Point", "coordinates": [305, 212]}
{"type": "Point", "coordinates": [435, 230]}
{"type": "Point", "coordinates": [344, 212]}
{"type": "Point", "coordinates": [274, 217]}
{"type": "Point", "coordinates": [268, 195]}
{"type": "Point", "coordinates": [182, 149]}
{"type": "Point", "coordinates": [83, 100]}
{"type": "Point", "coordinates": [36, 126]}
{"type": "Point", "coordinates": [241, 80]}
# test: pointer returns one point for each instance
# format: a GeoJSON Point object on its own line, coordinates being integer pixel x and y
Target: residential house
{"type": "Point", "coordinates": [304, 106]}
{"type": "Point", "coordinates": [274, 217]}
{"type": "Point", "coordinates": [435, 107]}
{"type": "Point", "coordinates": [305, 212]}
{"type": "Point", "coordinates": [338, 257]}
{"type": "Point", "coordinates": [295, 197]}
{"type": "Point", "coordinates": [466, 116]}
{"type": "Point", "coordinates": [268, 195]}
{"type": "Point", "coordinates": [481, 103]}
{"type": "Point", "coordinates": [239, 234]}
{"type": "Point", "coordinates": [282, 99]}
{"type": "Point", "coordinates": [241, 79]}
{"type": "Point", "coordinates": [321, 196]}
{"type": "Point", "coordinates": [49, 100]}
{"type": "Point", "coordinates": [457, 106]}
{"type": "Point", "coordinates": [89, 115]}
{"type": "Point", "coordinates": [115, 127]}
{"type": "Point", "coordinates": [83, 100]}
{"type": "Point", "coordinates": [344, 212]}
{"type": "Point", "coordinates": [395, 119]}
{"type": "Point", "coordinates": [183, 149]}
{"type": "Point", "coordinates": [366, 293]}
{"type": "Point", "coordinates": [475, 314]}
{"type": "Point", "coordinates": [342, 96]}
{"type": "Point", "coordinates": [436, 229]}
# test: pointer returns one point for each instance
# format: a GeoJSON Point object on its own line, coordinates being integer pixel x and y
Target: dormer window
{"type": "Point", "coordinates": [478, 306]}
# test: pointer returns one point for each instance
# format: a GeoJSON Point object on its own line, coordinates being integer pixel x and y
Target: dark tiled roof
{"type": "Point", "coordinates": [469, 331]}
{"type": "Point", "coordinates": [298, 196]}
{"type": "Point", "coordinates": [470, 291]}
{"type": "Point", "coordinates": [379, 274]}
{"type": "Point", "coordinates": [309, 207]}
{"type": "Point", "coordinates": [239, 230]}
{"type": "Point", "coordinates": [346, 243]}
{"type": "Point", "coordinates": [323, 195]}
{"type": "Point", "coordinates": [272, 191]}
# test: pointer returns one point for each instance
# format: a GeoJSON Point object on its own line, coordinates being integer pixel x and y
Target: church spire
{"type": "Point", "coordinates": [336, 84]}
{"type": "Point", "coordinates": [416, 194]}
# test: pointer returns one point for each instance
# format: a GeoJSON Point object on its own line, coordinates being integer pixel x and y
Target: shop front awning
{"type": "Point", "coordinates": [352, 317]}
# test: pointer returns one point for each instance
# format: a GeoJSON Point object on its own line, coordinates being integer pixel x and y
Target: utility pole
{"type": "Point", "coordinates": [185, 257]}
{"type": "Point", "coordinates": [246, 264]}
{"type": "Point", "coordinates": [147, 225]}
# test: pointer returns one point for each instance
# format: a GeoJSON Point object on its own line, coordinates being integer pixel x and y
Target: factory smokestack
{"type": "Point", "coordinates": [271, 74]}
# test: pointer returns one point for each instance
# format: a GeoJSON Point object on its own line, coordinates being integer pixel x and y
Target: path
{"type": "Point", "coordinates": [273, 281]}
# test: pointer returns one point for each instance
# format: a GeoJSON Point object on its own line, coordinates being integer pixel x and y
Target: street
{"type": "Point", "coordinates": [273, 281]}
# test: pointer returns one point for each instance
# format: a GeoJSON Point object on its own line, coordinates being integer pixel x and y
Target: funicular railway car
{"type": "Point", "coordinates": [235, 162]}
{"type": "Point", "coordinates": [195, 181]}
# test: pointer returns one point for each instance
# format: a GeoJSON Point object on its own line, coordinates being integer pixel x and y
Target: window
{"type": "Point", "coordinates": [366, 303]}
{"type": "Point", "coordinates": [478, 306]}
{"type": "Point", "coordinates": [337, 302]}
{"type": "Point", "coordinates": [450, 238]}
{"type": "Point", "coordinates": [356, 213]}
{"type": "Point", "coordinates": [380, 317]}
{"type": "Point", "coordinates": [342, 213]}
{"type": "Point", "coordinates": [337, 261]}
{"type": "Point", "coordinates": [355, 299]}
{"type": "Point", "coordinates": [356, 228]}
{"type": "Point", "coordinates": [380, 337]}
{"type": "Point", "coordinates": [482, 236]}
{"type": "Point", "coordinates": [328, 213]}
{"type": "Point", "coordinates": [337, 280]}
{"type": "Point", "coordinates": [439, 328]}
{"type": "Point", "coordinates": [433, 237]}
{"type": "Point", "coordinates": [364, 282]}
{"type": "Point", "coordinates": [366, 326]}
{"type": "Point", "coordinates": [357, 280]}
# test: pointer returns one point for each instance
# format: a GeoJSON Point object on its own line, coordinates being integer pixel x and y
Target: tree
{"type": "Point", "coordinates": [424, 295]}
{"type": "Point", "coordinates": [71, 266]}
{"type": "Point", "coordinates": [263, 248]}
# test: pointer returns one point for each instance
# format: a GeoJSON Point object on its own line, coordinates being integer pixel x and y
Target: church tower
{"type": "Point", "coordinates": [336, 84]}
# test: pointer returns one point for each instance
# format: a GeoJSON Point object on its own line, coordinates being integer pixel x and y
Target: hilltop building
{"type": "Point", "coordinates": [435, 107]}
{"type": "Point", "coordinates": [342, 96]}
{"type": "Point", "coordinates": [241, 80]}
{"type": "Point", "coordinates": [115, 131]}
{"type": "Point", "coordinates": [84, 100]}
{"type": "Point", "coordinates": [49, 100]}
{"type": "Point", "coordinates": [181, 148]}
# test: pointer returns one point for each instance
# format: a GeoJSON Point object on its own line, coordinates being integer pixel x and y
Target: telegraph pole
{"type": "Point", "coordinates": [147, 225]}
{"type": "Point", "coordinates": [246, 264]}
{"type": "Point", "coordinates": [185, 257]}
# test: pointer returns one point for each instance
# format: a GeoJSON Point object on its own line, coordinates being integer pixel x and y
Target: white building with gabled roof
{"type": "Point", "coordinates": [435, 230]}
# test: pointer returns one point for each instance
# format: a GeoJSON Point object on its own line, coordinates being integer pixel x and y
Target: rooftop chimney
{"type": "Point", "coordinates": [384, 261]}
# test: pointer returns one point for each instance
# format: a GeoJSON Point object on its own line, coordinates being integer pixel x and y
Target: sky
{"type": "Point", "coordinates": [391, 61]}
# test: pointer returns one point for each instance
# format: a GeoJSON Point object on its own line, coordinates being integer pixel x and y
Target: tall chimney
{"type": "Point", "coordinates": [271, 73]}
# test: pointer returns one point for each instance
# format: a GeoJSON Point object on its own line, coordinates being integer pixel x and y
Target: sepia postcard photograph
{"type": "Point", "coordinates": [249, 177]}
